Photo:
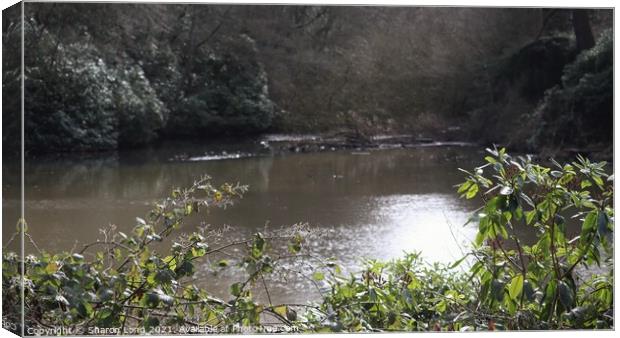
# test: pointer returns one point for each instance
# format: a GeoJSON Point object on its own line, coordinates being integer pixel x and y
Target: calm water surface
{"type": "Point", "coordinates": [376, 204]}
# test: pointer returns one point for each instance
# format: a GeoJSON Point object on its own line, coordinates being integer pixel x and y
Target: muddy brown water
{"type": "Point", "coordinates": [371, 204]}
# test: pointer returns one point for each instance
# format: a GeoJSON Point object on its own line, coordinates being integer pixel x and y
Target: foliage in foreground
{"type": "Point", "coordinates": [551, 282]}
{"type": "Point", "coordinates": [129, 286]}
{"type": "Point", "coordinates": [514, 284]}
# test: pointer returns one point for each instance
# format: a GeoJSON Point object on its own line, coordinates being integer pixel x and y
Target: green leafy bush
{"type": "Point", "coordinates": [68, 101]}
{"type": "Point", "coordinates": [580, 111]}
{"type": "Point", "coordinates": [511, 284]}
{"type": "Point", "coordinates": [74, 100]}
{"type": "Point", "coordinates": [121, 281]}
{"type": "Point", "coordinates": [228, 94]}
{"type": "Point", "coordinates": [141, 114]}
{"type": "Point", "coordinates": [405, 294]}
{"type": "Point", "coordinates": [538, 285]}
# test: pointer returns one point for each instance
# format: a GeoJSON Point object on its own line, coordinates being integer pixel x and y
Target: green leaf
{"type": "Point", "coordinates": [527, 199]}
{"type": "Point", "coordinates": [85, 309]}
{"type": "Point", "coordinates": [185, 269]}
{"type": "Point", "coordinates": [516, 287]}
{"type": "Point", "coordinates": [585, 184]}
{"type": "Point", "coordinates": [472, 191]}
{"type": "Point", "coordinates": [598, 180]}
{"type": "Point", "coordinates": [51, 267]}
{"type": "Point", "coordinates": [589, 221]}
{"type": "Point", "coordinates": [281, 310]}
{"type": "Point", "coordinates": [318, 276]}
{"type": "Point", "coordinates": [463, 187]}
{"type": "Point", "coordinates": [529, 216]}
{"type": "Point", "coordinates": [171, 261]}
{"type": "Point", "coordinates": [455, 264]}
{"type": "Point", "coordinates": [222, 263]}
{"type": "Point", "coordinates": [235, 289]}
{"type": "Point", "coordinates": [105, 313]}
{"type": "Point", "coordinates": [258, 246]}
{"type": "Point", "coordinates": [490, 159]}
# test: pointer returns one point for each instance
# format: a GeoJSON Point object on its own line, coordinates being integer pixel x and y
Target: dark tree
{"type": "Point", "coordinates": [583, 31]}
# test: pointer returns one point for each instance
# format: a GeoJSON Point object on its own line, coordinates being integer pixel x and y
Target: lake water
{"type": "Point", "coordinates": [376, 203]}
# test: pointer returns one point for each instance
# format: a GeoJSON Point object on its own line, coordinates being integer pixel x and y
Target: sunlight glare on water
{"type": "Point", "coordinates": [430, 223]}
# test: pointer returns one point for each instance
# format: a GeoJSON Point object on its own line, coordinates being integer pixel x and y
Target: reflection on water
{"type": "Point", "coordinates": [372, 204]}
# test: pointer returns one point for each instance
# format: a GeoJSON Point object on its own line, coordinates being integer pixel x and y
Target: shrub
{"type": "Point", "coordinates": [537, 286]}
{"type": "Point", "coordinates": [68, 101]}
{"type": "Point", "coordinates": [75, 101]}
{"type": "Point", "coordinates": [121, 281]}
{"type": "Point", "coordinates": [512, 284]}
{"type": "Point", "coordinates": [580, 111]}
{"type": "Point", "coordinates": [229, 95]}
{"type": "Point", "coordinates": [141, 114]}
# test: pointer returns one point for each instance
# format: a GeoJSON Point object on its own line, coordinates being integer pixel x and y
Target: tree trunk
{"type": "Point", "coordinates": [583, 31]}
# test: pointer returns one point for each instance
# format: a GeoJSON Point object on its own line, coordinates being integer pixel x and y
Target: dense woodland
{"type": "Point", "coordinates": [103, 76]}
